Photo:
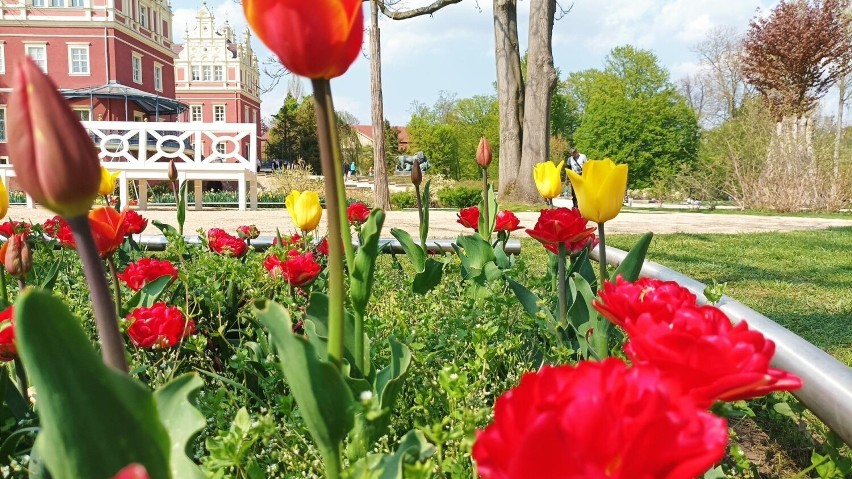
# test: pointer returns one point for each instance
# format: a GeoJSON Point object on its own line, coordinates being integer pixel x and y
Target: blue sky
{"type": "Point", "coordinates": [453, 50]}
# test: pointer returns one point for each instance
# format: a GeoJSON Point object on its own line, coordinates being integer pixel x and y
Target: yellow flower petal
{"type": "Point", "coordinates": [600, 190]}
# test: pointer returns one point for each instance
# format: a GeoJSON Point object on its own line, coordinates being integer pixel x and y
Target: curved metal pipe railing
{"type": "Point", "coordinates": [826, 382]}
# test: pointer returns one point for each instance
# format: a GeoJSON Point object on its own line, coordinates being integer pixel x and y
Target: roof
{"type": "Point", "coordinates": [367, 131]}
{"type": "Point", "coordinates": [150, 103]}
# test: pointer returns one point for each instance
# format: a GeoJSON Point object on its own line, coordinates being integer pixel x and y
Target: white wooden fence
{"type": "Point", "coordinates": [141, 152]}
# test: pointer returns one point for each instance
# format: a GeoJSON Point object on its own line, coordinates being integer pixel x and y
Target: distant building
{"type": "Point", "coordinates": [114, 60]}
{"type": "Point", "coordinates": [218, 77]}
{"type": "Point", "coordinates": [365, 136]}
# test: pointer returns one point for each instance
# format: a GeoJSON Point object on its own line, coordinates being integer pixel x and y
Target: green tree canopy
{"type": "Point", "coordinates": [632, 113]}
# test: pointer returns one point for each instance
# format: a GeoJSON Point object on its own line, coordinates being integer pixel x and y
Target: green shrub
{"type": "Point", "coordinates": [403, 199]}
{"type": "Point", "coordinates": [459, 197]}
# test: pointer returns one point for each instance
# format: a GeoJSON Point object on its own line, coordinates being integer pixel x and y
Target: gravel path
{"type": "Point", "coordinates": [443, 222]}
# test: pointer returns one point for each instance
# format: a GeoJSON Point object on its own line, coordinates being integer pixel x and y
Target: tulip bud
{"type": "Point", "coordinates": [416, 173]}
{"type": "Point", "coordinates": [172, 171]}
{"type": "Point", "coordinates": [483, 153]}
{"type": "Point", "coordinates": [55, 161]}
{"type": "Point", "coordinates": [19, 258]}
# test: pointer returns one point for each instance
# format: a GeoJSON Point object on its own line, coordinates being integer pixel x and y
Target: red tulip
{"type": "Point", "coordinates": [288, 240]}
{"type": "Point", "coordinates": [695, 347]}
{"type": "Point", "coordinates": [134, 223]}
{"type": "Point", "coordinates": [138, 274]}
{"type": "Point", "coordinates": [249, 232]}
{"type": "Point", "coordinates": [597, 420]}
{"type": "Point", "coordinates": [8, 349]}
{"type": "Point", "coordinates": [55, 161]}
{"type": "Point", "coordinates": [507, 221]}
{"type": "Point", "coordinates": [10, 227]}
{"type": "Point", "coordinates": [225, 244]}
{"type": "Point", "coordinates": [59, 229]}
{"type": "Point", "coordinates": [133, 471]}
{"type": "Point", "coordinates": [357, 213]}
{"type": "Point", "coordinates": [297, 269]}
{"type": "Point", "coordinates": [562, 225]}
{"type": "Point", "coordinates": [316, 39]}
{"type": "Point", "coordinates": [469, 217]}
{"type": "Point", "coordinates": [16, 255]}
{"type": "Point", "coordinates": [158, 326]}
{"type": "Point", "coordinates": [107, 228]}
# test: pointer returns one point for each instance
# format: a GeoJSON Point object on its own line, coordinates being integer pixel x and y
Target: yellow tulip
{"type": "Point", "coordinates": [4, 200]}
{"type": "Point", "coordinates": [600, 189]}
{"type": "Point", "coordinates": [548, 179]}
{"type": "Point", "coordinates": [107, 181]}
{"type": "Point", "coordinates": [305, 209]}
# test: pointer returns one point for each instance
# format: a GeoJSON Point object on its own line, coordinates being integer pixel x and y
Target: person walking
{"type": "Point", "coordinates": [576, 160]}
{"type": "Point", "coordinates": [352, 168]}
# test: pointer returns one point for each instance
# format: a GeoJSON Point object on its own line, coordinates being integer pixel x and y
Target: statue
{"type": "Point", "coordinates": [404, 163]}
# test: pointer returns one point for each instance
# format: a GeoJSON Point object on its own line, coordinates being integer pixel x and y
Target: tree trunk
{"type": "Point", "coordinates": [541, 81]}
{"type": "Point", "coordinates": [381, 195]}
{"type": "Point", "coordinates": [838, 136]}
{"type": "Point", "coordinates": [510, 92]}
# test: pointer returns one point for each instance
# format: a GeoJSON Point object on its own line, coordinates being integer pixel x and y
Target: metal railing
{"type": "Point", "coordinates": [826, 382]}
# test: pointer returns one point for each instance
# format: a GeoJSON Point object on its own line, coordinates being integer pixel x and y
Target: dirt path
{"type": "Point", "coordinates": [443, 222]}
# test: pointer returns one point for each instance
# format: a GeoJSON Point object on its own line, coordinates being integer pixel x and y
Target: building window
{"type": "Point", "coordinates": [196, 73]}
{"type": "Point", "coordinates": [78, 59]}
{"type": "Point", "coordinates": [57, 3]}
{"type": "Point", "coordinates": [218, 73]}
{"type": "Point", "coordinates": [78, 3]}
{"type": "Point", "coordinates": [219, 113]}
{"type": "Point", "coordinates": [206, 75]}
{"type": "Point", "coordinates": [220, 148]}
{"type": "Point", "coordinates": [4, 160]}
{"type": "Point", "coordinates": [39, 55]}
{"type": "Point", "coordinates": [137, 68]}
{"type": "Point", "coordinates": [38, 3]}
{"type": "Point", "coordinates": [2, 58]}
{"type": "Point", "coordinates": [143, 16]}
{"type": "Point", "coordinates": [158, 77]}
{"type": "Point", "coordinates": [195, 113]}
{"type": "Point", "coordinates": [84, 114]}
{"type": "Point", "coordinates": [253, 115]}
{"type": "Point", "coordinates": [3, 123]}
{"type": "Point", "coordinates": [245, 114]}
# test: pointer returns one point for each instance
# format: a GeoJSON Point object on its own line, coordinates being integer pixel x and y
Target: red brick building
{"type": "Point", "coordinates": [115, 61]}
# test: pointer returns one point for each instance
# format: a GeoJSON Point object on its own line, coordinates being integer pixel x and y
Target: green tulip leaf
{"type": "Point", "coordinates": [584, 317]}
{"type": "Point", "coordinates": [167, 229]}
{"type": "Point", "coordinates": [528, 299]}
{"type": "Point", "coordinates": [361, 276]}
{"type": "Point", "coordinates": [182, 421]}
{"type": "Point", "coordinates": [415, 253]}
{"type": "Point", "coordinates": [429, 278]}
{"type": "Point", "coordinates": [475, 253]}
{"type": "Point", "coordinates": [388, 385]}
{"type": "Point", "coordinates": [13, 405]}
{"type": "Point", "coordinates": [424, 226]}
{"type": "Point", "coordinates": [95, 420]}
{"type": "Point", "coordinates": [413, 448]}
{"type": "Point", "coordinates": [50, 279]}
{"type": "Point", "coordinates": [630, 268]}
{"type": "Point", "coordinates": [502, 260]}
{"type": "Point", "coordinates": [317, 314]}
{"type": "Point", "coordinates": [486, 225]}
{"type": "Point", "coordinates": [324, 399]}
{"type": "Point", "coordinates": [148, 294]}
{"type": "Point", "coordinates": [181, 206]}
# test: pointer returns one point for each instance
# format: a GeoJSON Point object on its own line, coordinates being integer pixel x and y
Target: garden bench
{"type": "Point", "coordinates": [141, 151]}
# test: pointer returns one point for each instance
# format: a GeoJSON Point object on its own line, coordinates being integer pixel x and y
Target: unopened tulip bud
{"type": "Point", "coordinates": [19, 258]}
{"type": "Point", "coordinates": [416, 173]}
{"type": "Point", "coordinates": [55, 161]}
{"type": "Point", "coordinates": [483, 153]}
{"type": "Point", "coordinates": [172, 171]}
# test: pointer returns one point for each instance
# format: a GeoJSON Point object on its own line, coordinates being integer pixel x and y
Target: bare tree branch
{"type": "Point", "coordinates": [416, 12]}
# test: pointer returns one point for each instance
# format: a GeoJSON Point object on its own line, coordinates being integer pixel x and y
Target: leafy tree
{"type": "Point", "coordinates": [633, 114]}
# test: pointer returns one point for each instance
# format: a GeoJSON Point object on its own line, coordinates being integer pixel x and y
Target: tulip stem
{"type": "Point", "coordinates": [562, 287]}
{"type": "Point", "coordinates": [3, 293]}
{"type": "Point", "coordinates": [602, 255]}
{"type": "Point", "coordinates": [334, 202]}
{"type": "Point", "coordinates": [106, 321]}
{"type": "Point", "coordinates": [116, 291]}
{"type": "Point", "coordinates": [419, 212]}
{"type": "Point", "coordinates": [22, 378]}
{"type": "Point", "coordinates": [487, 219]}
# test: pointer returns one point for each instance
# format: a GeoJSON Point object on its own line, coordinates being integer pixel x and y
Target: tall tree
{"type": "Point", "coordinates": [510, 92]}
{"type": "Point", "coordinates": [792, 80]}
{"type": "Point", "coordinates": [721, 55]}
{"type": "Point", "coordinates": [632, 113]}
{"type": "Point", "coordinates": [541, 81]}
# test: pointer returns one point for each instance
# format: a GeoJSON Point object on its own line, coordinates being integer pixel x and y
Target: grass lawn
{"type": "Point", "coordinates": [704, 211]}
{"type": "Point", "coordinates": [802, 280]}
